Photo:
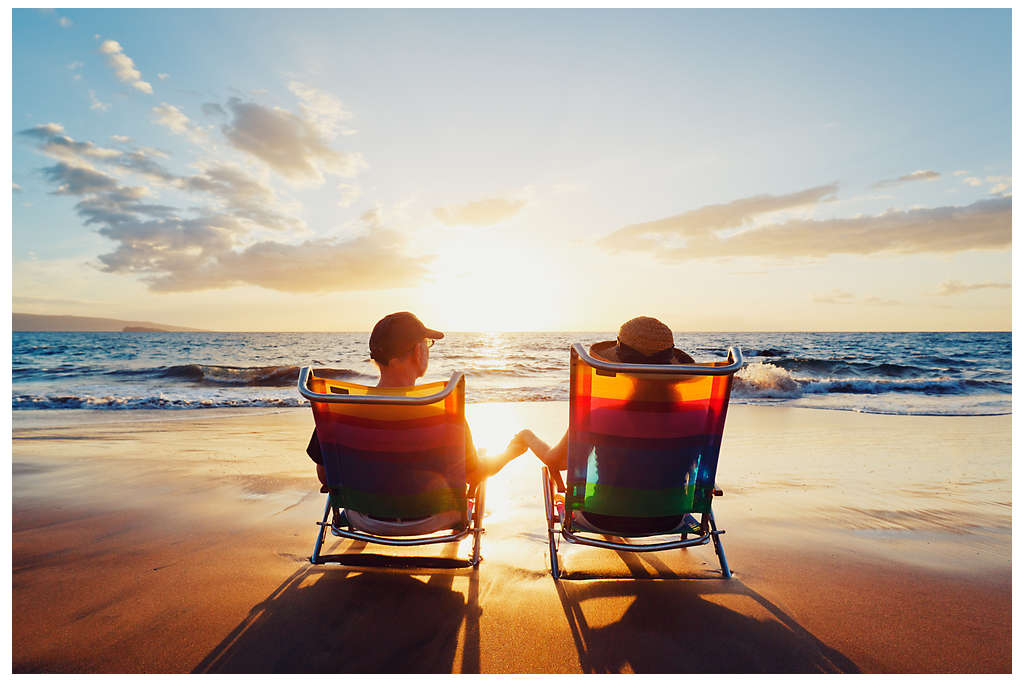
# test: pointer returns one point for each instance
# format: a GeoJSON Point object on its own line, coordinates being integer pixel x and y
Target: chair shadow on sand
{"type": "Point", "coordinates": [674, 625]}
{"type": "Point", "coordinates": [343, 620]}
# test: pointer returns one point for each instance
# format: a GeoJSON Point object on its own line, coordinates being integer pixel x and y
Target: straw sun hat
{"type": "Point", "coordinates": [642, 340]}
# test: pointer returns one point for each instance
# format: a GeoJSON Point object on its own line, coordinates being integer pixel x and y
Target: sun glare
{"type": "Point", "coordinates": [490, 287]}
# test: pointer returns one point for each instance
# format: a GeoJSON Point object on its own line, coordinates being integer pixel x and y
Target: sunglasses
{"type": "Point", "coordinates": [430, 343]}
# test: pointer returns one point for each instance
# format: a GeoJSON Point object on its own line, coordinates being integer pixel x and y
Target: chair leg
{"type": "Point", "coordinates": [549, 510]}
{"type": "Point", "coordinates": [478, 518]}
{"type": "Point", "coordinates": [719, 550]}
{"type": "Point", "coordinates": [315, 558]}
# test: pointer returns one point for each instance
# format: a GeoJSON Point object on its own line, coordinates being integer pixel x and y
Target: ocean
{"type": "Point", "coordinates": [939, 373]}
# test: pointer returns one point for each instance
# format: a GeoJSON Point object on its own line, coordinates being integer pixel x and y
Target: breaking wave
{"type": "Point", "coordinates": [225, 375]}
{"type": "Point", "coordinates": [89, 402]}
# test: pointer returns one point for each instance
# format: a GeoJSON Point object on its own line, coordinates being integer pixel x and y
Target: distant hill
{"type": "Point", "coordinates": [24, 322]}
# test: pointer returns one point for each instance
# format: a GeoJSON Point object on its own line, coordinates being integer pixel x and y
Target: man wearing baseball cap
{"type": "Point", "coordinates": [400, 347]}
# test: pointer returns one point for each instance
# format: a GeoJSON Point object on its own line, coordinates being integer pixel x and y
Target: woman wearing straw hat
{"type": "Point", "coordinates": [642, 340]}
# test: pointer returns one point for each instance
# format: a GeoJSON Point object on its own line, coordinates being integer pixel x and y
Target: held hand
{"type": "Point", "coordinates": [530, 439]}
{"type": "Point", "coordinates": [516, 446]}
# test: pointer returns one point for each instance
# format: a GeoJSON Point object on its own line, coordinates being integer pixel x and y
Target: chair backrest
{"type": "Point", "coordinates": [644, 439]}
{"type": "Point", "coordinates": [392, 453]}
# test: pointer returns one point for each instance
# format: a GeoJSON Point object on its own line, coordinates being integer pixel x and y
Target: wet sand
{"type": "Point", "coordinates": [178, 542]}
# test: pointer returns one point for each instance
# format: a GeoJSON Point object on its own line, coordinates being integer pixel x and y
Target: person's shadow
{"type": "Point", "coordinates": [687, 626]}
{"type": "Point", "coordinates": [342, 620]}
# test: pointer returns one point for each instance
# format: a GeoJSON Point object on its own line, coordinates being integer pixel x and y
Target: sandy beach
{"type": "Point", "coordinates": [161, 541]}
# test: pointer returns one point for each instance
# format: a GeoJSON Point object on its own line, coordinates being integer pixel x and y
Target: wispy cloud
{"type": "Point", "coordinates": [124, 67]}
{"type": "Point", "coordinates": [958, 173]}
{"type": "Point", "coordinates": [910, 177]}
{"type": "Point", "coordinates": [213, 109]}
{"type": "Point", "coordinates": [175, 120]}
{"type": "Point", "coordinates": [16, 187]}
{"type": "Point", "coordinates": [322, 109]}
{"type": "Point", "coordinates": [700, 223]}
{"type": "Point", "coordinates": [245, 197]}
{"type": "Point", "coordinates": [223, 186]}
{"type": "Point", "coordinates": [163, 76]}
{"type": "Point", "coordinates": [1000, 183]}
{"type": "Point", "coordinates": [841, 297]}
{"type": "Point", "coordinates": [290, 144]}
{"type": "Point", "coordinates": [64, 22]}
{"type": "Point", "coordinates": [479, 213]}
{"type": "Point", "coordinates": [982, 225]}
{"type": "Point", "coordinates": [77, 180]}
{"type": "Point", "coordinates": [95, 104]}
{"type": "Point", "coordinates": [952, 287]}
{"type": "Point", "coordinates": [216, 242]}
{"type": "Point", "coordinates": [972, 181]}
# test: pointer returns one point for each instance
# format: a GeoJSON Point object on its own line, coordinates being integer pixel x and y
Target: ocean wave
{"type": "Point", "coordinates": [765, 353]}
{"type": "Point", "coordinates": [225, 375]}
{"type": "Point", "coordinates": [764, 380]}
{"type": "Point", "coordinates": [89, 402]}
{"type": "Point", "coordinates": [830, 367]}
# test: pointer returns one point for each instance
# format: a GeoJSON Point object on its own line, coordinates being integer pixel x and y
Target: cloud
{"type": "Point", "coordinates": [76, 180]}
{"type": "Point", "coordinates": [95, 104]}
{"type": "Point", "coordinates": [960, 172]}
{"type": "Point", "coordinates": [836, 296]}
{"type": "Point", "coordinates": [840, 297]}
{"type": "Point", "coordinates": [912, 177]}
{"type": "Point", "coordinates": [702, 222]}
{"type": "Point", "coordinates": [322, 109]}
{"type": "Point", "coordinates": [163, 76]}
{"type": "Point", "coordinates": [172, 118]}
{"type": "Point", "coordinates": [123, 139]}
{"type": "Point", "coordinates": [16, 187]}
{"type": "Point", "coordinates": [44, 130]}
{"type": "Point", "coordinates": [213, 109]}
{"type": "Point", "coordinates": [952, 287]}
{"type": "Point", "coordinates": [232, 189]}
{"type": "Point", "coordinates": [54, 143]}
{"type": "Point", "coordinates": [74, 66]}
{"type": "Point", "coordinates": [64, 22]}
{"type": "Point", "coordinates": [1001, 183]}
{"type": "Point", "coordinates": [982, 225]}
{"type": "Point", "coordinates": [480, 213]}
{"type": "Point", "coordinates": [216, 242]}
{"type": "Point", "coordinates": [348, 194]}
{"type": "Point", "coordinates": [973, 182]}
{"type": "Point", "coordinates": [373, 261]}
{"type": "Point", "coordinates": [291, 145]}
{"type": "Point", "coordinates": [245, 197]}
{"type": "Point", "coordinates": [124, 67]}
{"type": "Point", "coordinates": [139, 161]}
{"type": "Point", "coordinates": [174, 254]}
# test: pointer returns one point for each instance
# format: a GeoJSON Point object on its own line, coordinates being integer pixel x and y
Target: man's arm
{"type": "Point", "coordinates": [483, 467]}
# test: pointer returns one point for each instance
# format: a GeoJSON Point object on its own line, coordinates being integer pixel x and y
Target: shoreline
{"type": "Point", "coordinates": [180, 542]}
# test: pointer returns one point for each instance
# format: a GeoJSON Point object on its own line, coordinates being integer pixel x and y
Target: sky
{"type": "Point", "coordinates": [736, 170]}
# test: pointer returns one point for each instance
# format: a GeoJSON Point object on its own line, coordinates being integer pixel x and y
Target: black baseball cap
{"type": "Point", "coordinates": [396, 335]}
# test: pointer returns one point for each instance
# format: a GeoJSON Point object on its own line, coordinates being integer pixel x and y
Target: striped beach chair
{"type": "Point", "coordinates": [643, 451]}
{"type": "Point", "coordinates": [395, 461]}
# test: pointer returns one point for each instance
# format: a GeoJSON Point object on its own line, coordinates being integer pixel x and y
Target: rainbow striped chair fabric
{"type": "Point", "coordinates": [395, 461]}
{"type": "Point", "coordinates": [643, 451]}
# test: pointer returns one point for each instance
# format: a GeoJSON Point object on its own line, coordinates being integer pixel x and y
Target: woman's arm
{"type": "Point", "coordinates": [556, 458]}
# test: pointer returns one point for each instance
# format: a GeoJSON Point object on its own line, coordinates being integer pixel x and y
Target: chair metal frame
{"type": "Point", "coordinates": [474, 525]}
{"type": "Point", "coordinates": [709, 531]}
